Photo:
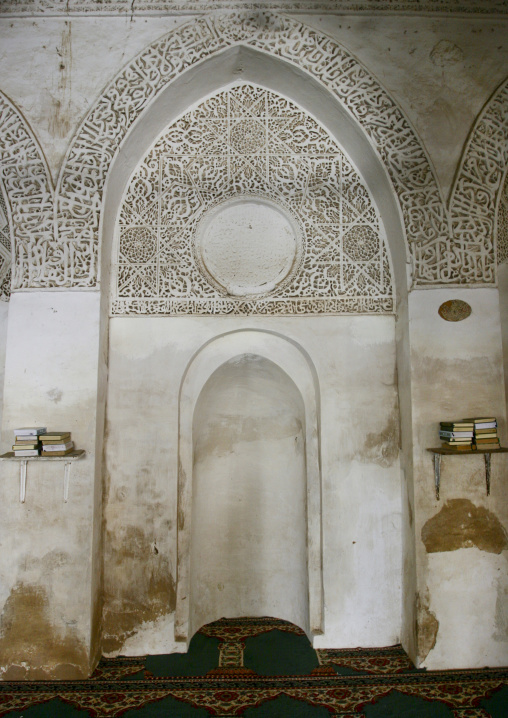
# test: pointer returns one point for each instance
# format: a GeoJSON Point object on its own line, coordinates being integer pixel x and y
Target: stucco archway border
{"type": "Point", "coordinates": [28, 191]}
{"type": "Point", "coordinates": [446, 248]}
{"type": "Point", "coordinates": [479, 182]}
{"type": "Point", "coordinates": [294, 361]}
{"type": "Point", "coordinates": [83, 177]}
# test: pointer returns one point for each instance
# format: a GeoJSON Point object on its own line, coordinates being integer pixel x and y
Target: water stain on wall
{"type": "Point", "coordinates": [501, 617]}
{"type": "Point", "coordinates": [427, 627]}
{"type": "Point", "coordinates": [228, 432]}
{"type": "Point", "coordinates": [383, 447]}
{"type": "Point", "coordinates": [461, 524]}
{"type": "Point", "coordinates": [32, 646]}
{"type": "Point", "coordinates": [139, 586]}
{"type": "Point", "coordinates": [60, 117]}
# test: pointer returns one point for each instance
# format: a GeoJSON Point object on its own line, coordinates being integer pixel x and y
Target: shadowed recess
{"type": "Point", "coordinates": [283, 707]}
{"type": "Point", "coordinates": [202, 656]}
{"type": "Point", "coordinates": [55, 708]}
{"type": "Point", "coordinates": [396, 704]}
{"type": "Point", "coordinates": [497, 704]}
{"type": "Point", "coordinates": [277, 653]}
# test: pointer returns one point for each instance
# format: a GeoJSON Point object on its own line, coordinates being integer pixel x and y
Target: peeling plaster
{"type": "Point", "coordinates": [461, 524]}
{"type": "Point", "coordinates": [139, 585]}
{"type": "Point", "coordinates": [383, 447]}
{"type": "Point", "coordinates": [426, 629]}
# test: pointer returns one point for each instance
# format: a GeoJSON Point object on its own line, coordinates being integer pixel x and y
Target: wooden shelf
{"type": "Point", "coordinates": [467, 452]}
{"type": "Point", "coordinates": [72, 456]}
{"type": "Point", "coordinates": [440, 451]}
{"type": "Point", "coordinates": [23, 460]}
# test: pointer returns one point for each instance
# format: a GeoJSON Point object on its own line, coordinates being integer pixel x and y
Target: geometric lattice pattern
{"type": "Point", "coordinates": [57, 238]}
{"type": "Point", "coordinates": [249, 142]}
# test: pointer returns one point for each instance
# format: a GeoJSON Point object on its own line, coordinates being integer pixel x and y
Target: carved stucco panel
{"type": "Point", "coordinates": [502, 224]}
{"type": "Point", "coordinates": [247, 205]}
{"type": "Point", "coordinates": [446, 248]}
{"type": "Point", "coordinates": [27, 186]}
{"type": "Point", "coordinates": [480, 180]}
{"type": "Point", "coordinates": [82, 182]}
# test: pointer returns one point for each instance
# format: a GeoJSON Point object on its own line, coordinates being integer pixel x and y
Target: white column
{"type": "Point", "coordinates": [50, 562]}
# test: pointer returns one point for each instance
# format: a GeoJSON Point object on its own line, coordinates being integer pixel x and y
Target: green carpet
{"type": "Point", "coordinates": [263, 668]}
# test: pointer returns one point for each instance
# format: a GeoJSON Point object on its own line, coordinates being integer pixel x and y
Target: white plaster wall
{"type": "Point", "coordinates": [46, 562]}
{"type": "Point", "coordinates": [249, 496]}
{"type": "Point", "coordinates": [354, 359]}
{"type": "Point", "coordinates": [457, 371]}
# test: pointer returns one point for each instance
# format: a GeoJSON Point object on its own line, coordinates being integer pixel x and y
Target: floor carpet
{"type": "Point", "coordinates": [263, 668]}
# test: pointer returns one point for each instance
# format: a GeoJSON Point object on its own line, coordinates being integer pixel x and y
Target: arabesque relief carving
{"type": "Point", "coordinates": [451, 248]}
{"type": "Point", "coordinates": [249, 144]}
{"type": "Point", "coordinates": [479, 181]}
{"type": "Point", "coordinates": [502, 224]}
{"type": "Point", "coordinates": [82, 182]}
{"type": "Point", "coordinates": [25, 178]}
{"type": "Point", "coordinates": [5, 252]}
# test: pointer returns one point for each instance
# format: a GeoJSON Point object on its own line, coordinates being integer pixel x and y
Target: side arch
{"type": "Point", "coordinates": [28, 191]}
{"type": "Point", "coordinates": [292, 359]}
{"type": "Point", "coordinates": [479, 180]}
{"type": "Point", "coordinates": [386, 129]}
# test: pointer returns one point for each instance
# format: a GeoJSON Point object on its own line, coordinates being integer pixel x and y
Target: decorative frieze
{"type": "Point", "coordinates": [82, 182]}
{"type": "Point", "coordinates": [446, 247]}
{"type": "Point", "coordinates": [157, 7]}
{"type": "Point", "coordinates": [247, 205]}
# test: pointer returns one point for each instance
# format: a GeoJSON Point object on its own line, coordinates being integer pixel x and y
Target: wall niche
{"type": "Point", "coordinates": [249, 496]}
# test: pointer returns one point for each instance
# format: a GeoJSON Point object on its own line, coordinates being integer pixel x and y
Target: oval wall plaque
{"type": "Point", "coordinates": [454, 310]}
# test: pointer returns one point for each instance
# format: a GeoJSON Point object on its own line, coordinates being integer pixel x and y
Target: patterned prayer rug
{"type": "Point", "coordinates": [263, 668]}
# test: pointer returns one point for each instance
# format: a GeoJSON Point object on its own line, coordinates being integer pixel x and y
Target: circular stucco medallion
{"type": "Point", "coordinates": [454, 310]}
{"type": "Point", "coordinates": [248, 246]}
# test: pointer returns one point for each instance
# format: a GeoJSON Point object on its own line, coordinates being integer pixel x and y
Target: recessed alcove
{"type": "Point", "coordinates": [249, 496]}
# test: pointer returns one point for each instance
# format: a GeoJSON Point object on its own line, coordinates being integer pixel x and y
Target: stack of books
{"type": "Point", "coordinates": [27, 440]}
{"type": "Point", "coordinates": [485, 433]}
{"type": "Point", "coordinates": [457, 435]}
{"type": "Point", "coordinates": [56, 443]}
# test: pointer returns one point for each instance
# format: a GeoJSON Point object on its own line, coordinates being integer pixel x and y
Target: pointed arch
{"type": "Point", "coordinates": [479, 182]}
{"type": "Point", "coordinates": [85, 171]}
{"type": "Point", "coordinates": [28, 192]}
